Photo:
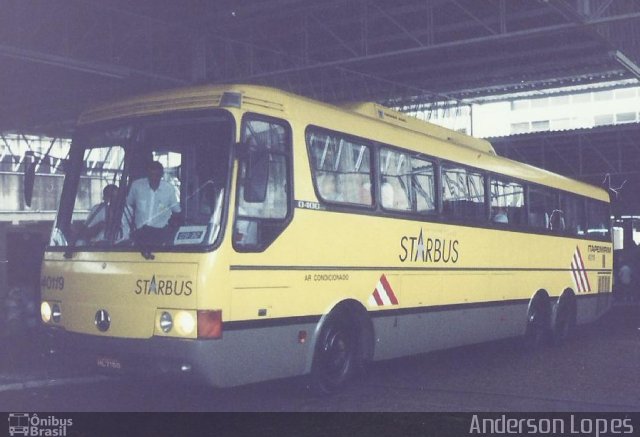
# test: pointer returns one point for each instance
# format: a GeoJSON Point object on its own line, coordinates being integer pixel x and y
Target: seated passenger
{"type": "Point", "coordinates": [99, 215]}
{"type": "Point", "coordinates": [365, 194]}
{"type": "Point", "coordinates": [500, 215]}
{"type": "Point", "coordinates": [329, 188]}
{"type": "Point", "coordinates": [387, 195]}
{"type": "Point", "coordinates": [557, 220]}
{"type": "Point", "coordinates": [401, 197]}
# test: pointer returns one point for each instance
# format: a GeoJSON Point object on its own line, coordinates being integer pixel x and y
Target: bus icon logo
{"type": "Point", "coordinates": [18, 424]}
{"type": "Point", "coordinates": [102, 320]}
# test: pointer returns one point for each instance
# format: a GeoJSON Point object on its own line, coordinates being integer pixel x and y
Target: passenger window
{"type": "Point", "coordinates": [574, 214]}
{"type": "Point", "coordinates": [543, 209]}
{"type": "Point", "coordinates": [406, 182]}
{"type": "Point", "coordinates": [341, 168]}
{"type": "Point", "coordinates": [507, 202]}
{"type": "Point", "coordinates": [263, 206]}
{"type": "Point", "coordinates": [463, 193]}
{"type": "Point", "coordinates": [598, 219]}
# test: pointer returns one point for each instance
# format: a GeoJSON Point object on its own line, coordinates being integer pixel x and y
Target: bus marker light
{"type": "Point", "coordinates": [232, 99]}
{"type": "Point", "coordinates": [302, 337]}
{"type": "Point", "coordinates": [210, 324]}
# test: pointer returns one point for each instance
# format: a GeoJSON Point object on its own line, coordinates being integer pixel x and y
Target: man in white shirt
{"type": "Point", "coordinates": [151, 203]}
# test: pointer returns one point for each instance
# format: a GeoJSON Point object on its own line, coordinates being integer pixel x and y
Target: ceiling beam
{"type": "Point", "coordinates": [91, 67]}
{"type": "Point", "coordinates": [511, 36]}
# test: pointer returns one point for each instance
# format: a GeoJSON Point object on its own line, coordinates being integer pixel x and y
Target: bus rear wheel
{"type": "Point", "coordinates": [538, 318]}
{"type": "Point", "coordinates": [564, 324]}
{"type": "Point", "coordinates": [337, 356]}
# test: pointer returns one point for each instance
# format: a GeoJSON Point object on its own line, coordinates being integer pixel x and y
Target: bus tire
{"type": "Point", "coordinates": [537, 332]}
{"type": "Point", "coordinates": [565, 319]}
{"type": "Point", "coordinates": [338, 356]}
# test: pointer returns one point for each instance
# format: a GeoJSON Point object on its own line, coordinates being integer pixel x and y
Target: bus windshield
{"type": "Point", "coordinates": [156, 182]}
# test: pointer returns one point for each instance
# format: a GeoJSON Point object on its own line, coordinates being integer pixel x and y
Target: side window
{"type": "Point", "coordinates": [423, 185]}
{"type": "Point", "coordinates": [543, 209]}
{"type": "Point", "coordinates": [573, 211]}
{"type": "Point", "coordinates": [507, 202]}
{"type": "Point", "coordinates": [598, 219]}
{"type": "Point", "coordinates": [341, 167]}
{"type": "Point", "coordinates": [406, 182]}
{"type": "Point", "coordinates": [263, 192]}
{"type": "Point", "coordinates": [463, 193]}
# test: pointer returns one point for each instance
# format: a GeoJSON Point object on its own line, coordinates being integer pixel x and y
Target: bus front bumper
{"type": "Point", "coordinates": [242, 356]}
{"type": "Point", "coordinates": [149, 357]}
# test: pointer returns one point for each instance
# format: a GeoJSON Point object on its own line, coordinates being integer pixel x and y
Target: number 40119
{"type": "Point", "coordinates": [52, 282]}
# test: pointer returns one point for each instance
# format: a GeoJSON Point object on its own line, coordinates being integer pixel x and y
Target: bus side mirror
{"type": "Point", "coordinates": [29, 177]}
{"type": "Point", "coordinates": [256, 176]}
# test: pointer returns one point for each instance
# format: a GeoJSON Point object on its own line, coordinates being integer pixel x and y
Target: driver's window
{"type": "Point", "coordinates": [263, 193]}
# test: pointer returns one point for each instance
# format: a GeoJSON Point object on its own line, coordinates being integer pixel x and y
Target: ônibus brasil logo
{"type": "Point", "coordinates": [26, 424]}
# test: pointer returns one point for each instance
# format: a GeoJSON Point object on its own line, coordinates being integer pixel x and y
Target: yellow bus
{"type": "Point", "coordinates": [291, 237]}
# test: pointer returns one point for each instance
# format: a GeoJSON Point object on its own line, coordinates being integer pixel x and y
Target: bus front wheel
{"type": "Point", "coordinates": [337, 356]}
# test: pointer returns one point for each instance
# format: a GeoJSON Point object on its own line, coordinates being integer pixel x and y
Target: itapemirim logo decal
{"type": "Point", "coordinates": [30, 424]}
{"type": "Point", "coordinates": [579, 272]}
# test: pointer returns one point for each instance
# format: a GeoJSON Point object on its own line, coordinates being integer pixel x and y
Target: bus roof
{"type": "Point", "coordinates": [377, 122]}
{"type": "Point", "coordinates": [377, 111]}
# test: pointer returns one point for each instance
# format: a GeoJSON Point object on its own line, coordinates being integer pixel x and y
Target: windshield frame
{"type": "Point", "coordinates": [72, 177]}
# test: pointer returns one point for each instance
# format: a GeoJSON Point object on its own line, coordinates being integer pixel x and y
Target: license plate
{"type": "Point", "coordinates": [109, 363]}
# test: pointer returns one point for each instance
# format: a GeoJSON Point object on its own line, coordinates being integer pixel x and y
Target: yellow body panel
{"type": "Point", "coordinates": [320, 260]}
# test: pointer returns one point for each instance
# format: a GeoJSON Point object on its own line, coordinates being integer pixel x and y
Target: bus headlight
{"type": "Point", "coordinates": [185, 323]}
{"type": "Point", "coordinates": [176, 323]}
{"type": "Point", "coordinates": [166, 322]}
{"type": "Point", "coordinates": [56, 313]}
{"type": "Point", "coordinates": [45, 312]}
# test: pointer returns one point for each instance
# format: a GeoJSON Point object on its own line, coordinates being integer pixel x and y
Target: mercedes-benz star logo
{"type": "Point", "coordinates": [103, 320]}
